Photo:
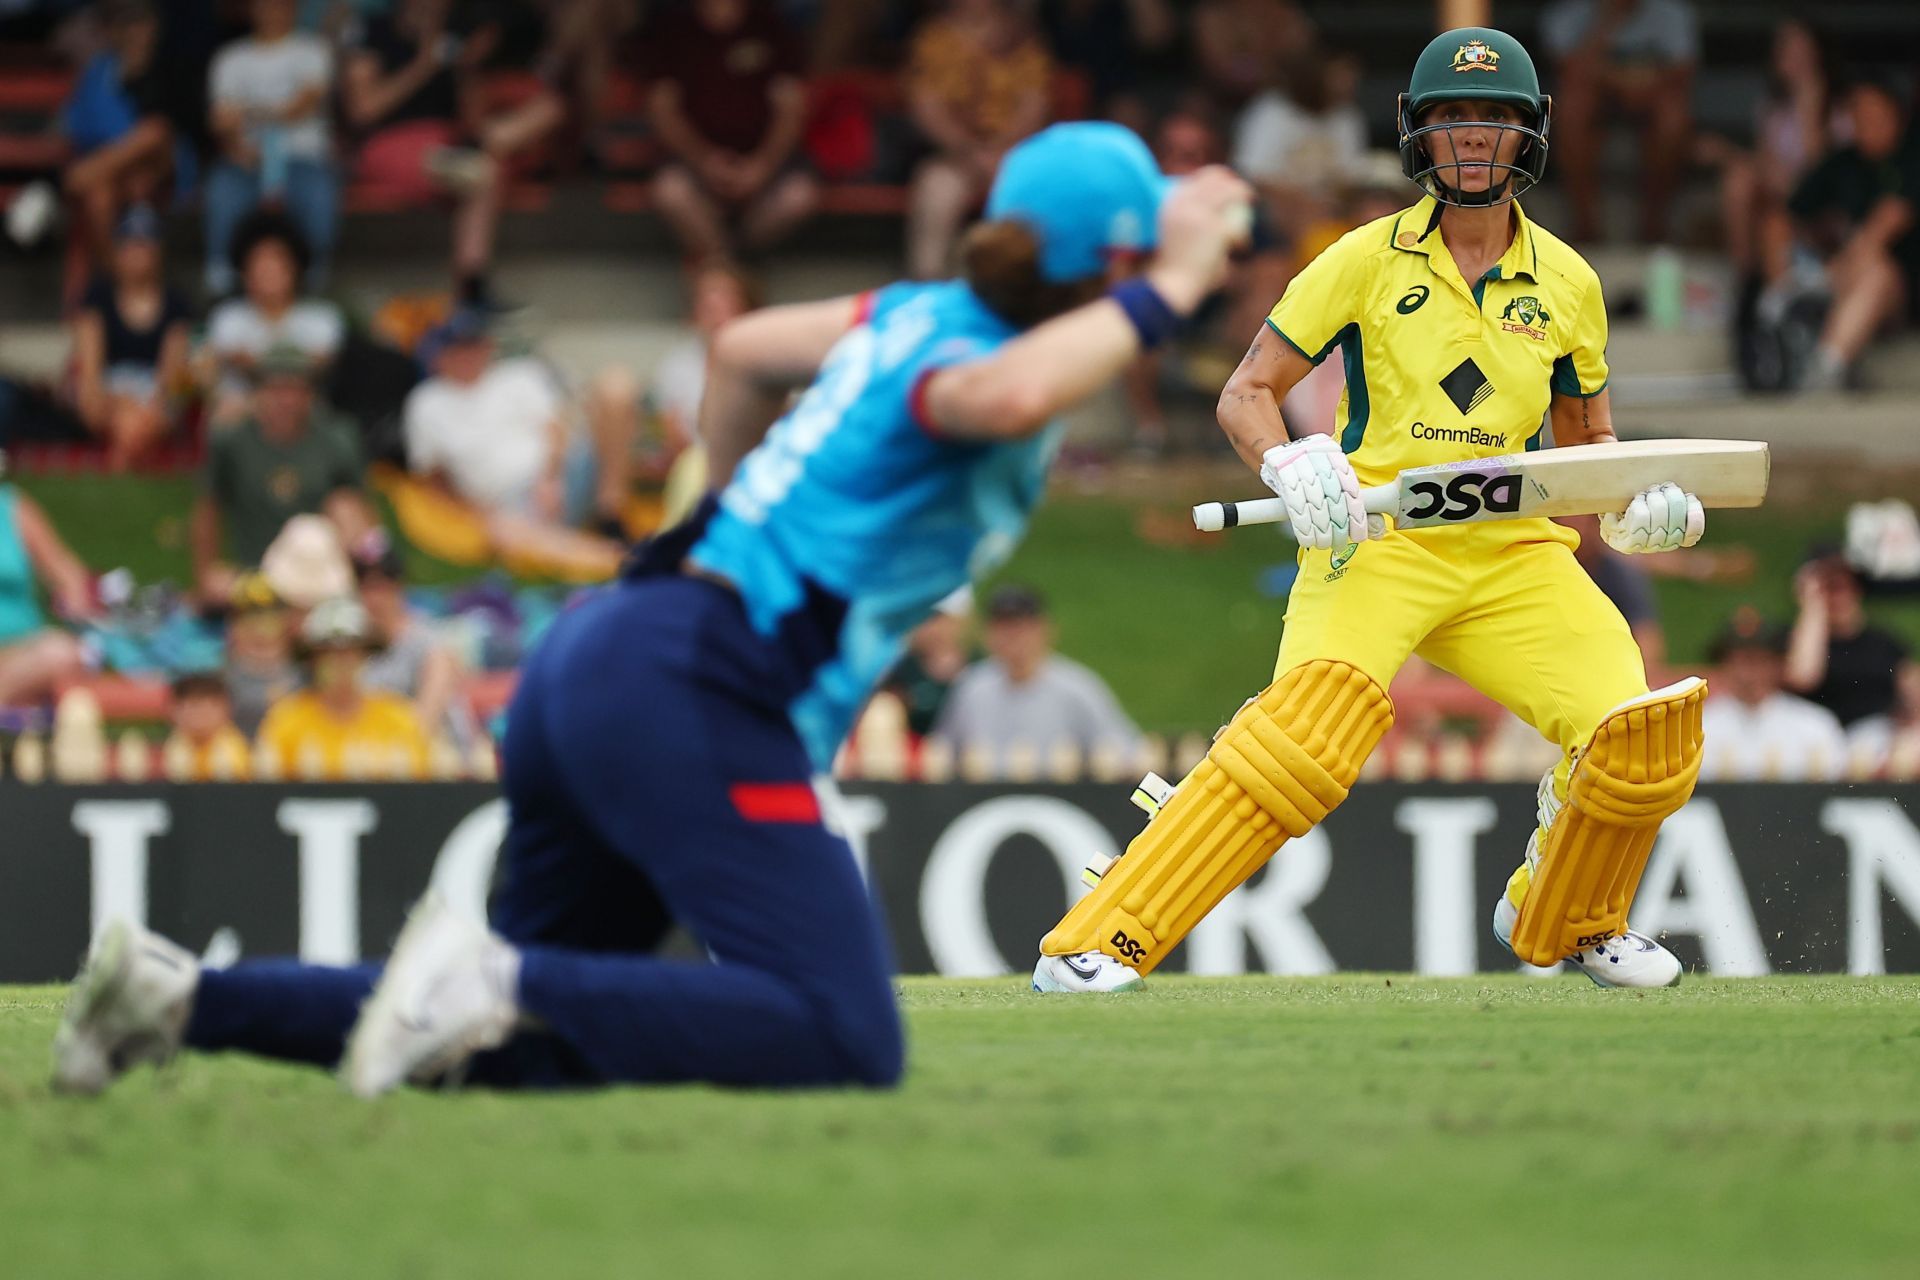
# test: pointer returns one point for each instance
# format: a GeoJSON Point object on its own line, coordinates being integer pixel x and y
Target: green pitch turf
{"type": "Point", "coordinates": [1358, 1126]}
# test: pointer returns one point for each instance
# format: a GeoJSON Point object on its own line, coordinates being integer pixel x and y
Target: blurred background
{"type": "Point", "coordinates": [341, 342]}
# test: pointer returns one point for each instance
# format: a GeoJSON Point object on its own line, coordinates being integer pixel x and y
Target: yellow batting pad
{"type": "Point", "coordinates": [1639, 768]}
{"type": "Point", "coordinates": [1286, 760]}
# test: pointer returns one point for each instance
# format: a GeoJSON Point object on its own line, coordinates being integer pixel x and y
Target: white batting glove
{"type": "Point", "coordinates": [1663, 518]}
{"type": "Point", "coordinates": [1315, 480]}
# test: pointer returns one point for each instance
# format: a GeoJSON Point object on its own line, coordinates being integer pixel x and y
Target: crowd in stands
{"type": "Point", "coordinates": [264, 119]}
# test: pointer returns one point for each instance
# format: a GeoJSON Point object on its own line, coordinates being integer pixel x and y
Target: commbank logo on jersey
{"type": "Point", "coordinates": [1474, 55]}
{"type": "Point", "coordinates": [1526, 315]}
{"type": "Point", "coordinates": [1466, 386]}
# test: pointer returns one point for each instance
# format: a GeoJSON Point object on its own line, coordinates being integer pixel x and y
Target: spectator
{"type": "Point", "coordinates": [205, 745]}
{"type": "Point", "coordinates": [1789, 137]}
{"type": "Point", "coordinates": [411, 661]}
{"type": "Point", "coordinates": [270, 314]}
{"type": "Point", "coordinates": [977, 81]}
{"type": "Point", "coordinates": [1242, 46]}
{"type": "Point", "coordinates": [1885, 741]}
{"type": "Point", "coordinates": [1104, 40]}
{"type": "Point", "coordinates": [1622, 57]}
{"type": "Point", "coordinates": [35, 655]}
{"type": "Point", "coordinates": [1835, 657]}
{"type": "Point", "coordinates": [338, 728]}
{"type": "Point", "coordinates": [728, 103]}
{"type": "Point", "coordinates": [260, 669]}
{"type": "Point", "coordinates": [122, 140]}
{"type": "Point", "coordinates": [495, 435]}
{"type": "Point", "coordinates": [1754, 729]}
{"type": "Point", "coordinates": [1301, 146]}
{"type": "Point", "coordinates": [411, 83]}
{"type": "Point", "coordinates": [938, 650]}
{"type": "Point", "coordinates": [129, 358]}
{"type": "Point", "coordinates": [1025, 697]}
{"type": "Point", "coordinates": [269, 108]}
{"type": "Point", "coordinates": [1856, 210]}
{"type": "Point", "coordinates": [284, 460]}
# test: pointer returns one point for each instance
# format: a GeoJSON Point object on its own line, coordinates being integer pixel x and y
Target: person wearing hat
{"type": "Point", "coordinates": [662, 750]}
{"type": "Point", "coordinates": [286, 459]}
{"type": "Point", "coordinates": [260, 669]}
{"type": "Point", "coordinates": [1465, 329]}
{"type": "Point", "coordinates": [1756, 729]}
{"type": "Point", "coordinates": [338, 728]}
{"type": "Point", "coordinates": [1026, 697]}
{"type": "Point", "coordinates": [130, 344]}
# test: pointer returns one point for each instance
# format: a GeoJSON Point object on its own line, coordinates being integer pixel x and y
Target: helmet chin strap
{"type": "Point", "coordinates": [1497, 194]}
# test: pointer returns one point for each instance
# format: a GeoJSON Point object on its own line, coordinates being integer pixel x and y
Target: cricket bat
{"type": "Point", "coordinates": [1590, 479]}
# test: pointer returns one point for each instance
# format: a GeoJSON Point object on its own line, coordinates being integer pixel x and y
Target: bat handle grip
{"type": "Point", "coordinates": [1212, 517]}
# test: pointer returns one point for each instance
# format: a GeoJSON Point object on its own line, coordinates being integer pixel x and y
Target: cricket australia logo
{"type": "Point", "coordinates": [1526, 315]}
{"type": "Point", "coordinates": [1474, 55]}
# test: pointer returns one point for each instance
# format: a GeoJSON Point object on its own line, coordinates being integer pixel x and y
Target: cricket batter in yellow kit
{"type": "Point", "coordinates": [1466, 330]}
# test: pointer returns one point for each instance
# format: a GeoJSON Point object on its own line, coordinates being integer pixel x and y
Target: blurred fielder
{"type": "Point", "coordinates": [1462, 325]}
{"type": "Point", "coordinates": [659, 751]}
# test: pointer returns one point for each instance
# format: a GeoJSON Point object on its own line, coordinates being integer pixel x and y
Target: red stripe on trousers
{"type": "Point", "coordinates": [775, 801]}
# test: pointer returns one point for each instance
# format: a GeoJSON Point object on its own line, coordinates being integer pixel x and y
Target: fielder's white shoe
{"type": "Point", "coordinates": [1630, 960]}
{"type": "Point", "coordinates": [1090, 971]}
{"type": "Point", "coordinates": [446, 994]}
{"type": "Point", "coordinates": [129, 1005]}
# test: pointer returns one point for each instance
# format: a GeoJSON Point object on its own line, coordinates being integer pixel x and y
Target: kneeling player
{"type": "Point", "coordinates": [1462, 324]}
{"type": "Point", "coordinates": [659, 750]}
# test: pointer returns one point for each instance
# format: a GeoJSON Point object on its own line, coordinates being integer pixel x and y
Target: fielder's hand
{"type": "Point", "coordinates": [1315, 480]}
{"type": "Point", "coordinates": [1663, 518]}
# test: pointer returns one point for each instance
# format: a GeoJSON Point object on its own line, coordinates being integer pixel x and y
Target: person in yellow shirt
{"type": "Point", "coordinates": [1466, 330]}
{"type": "Point", "coordinates": [337, 728]}
{"type": "Point", "coordinates": [205, 745]}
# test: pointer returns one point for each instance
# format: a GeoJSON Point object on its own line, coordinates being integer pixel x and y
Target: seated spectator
{"type": "Point", "coordinates": [1300, 146]}
{"type": "Point", "coordinates": [122, 140]}
{"type": "Point", "coordinates": [719, 292]}
{"type": "Point", "coordinates": [269, 314]}
{"type": "Point", "coordinates": [129, 358]}
{"type": "Point", "coordinates": [411, 660]}
{"type": "Point", "coordinates": [338, 728]}
{"type": "Point", "coordinates": [260, 669]}
{"type": "Point", "coordinates": [1242, 46]}
{"type": "Point", "coordinates": [1835, 657]}
{"type": "Point", "coordinates": [978, 80]}
{"type": "Point", "coordinates": [1856, 210]}
{"type": "Point", "coordinates": [728, 103]}
{"type": "Point", "coordinates": [411, 84]}
{"type": "Point", "coordinates": [205, 745]}
{"type": "Point", "coordinates": [269, 105]}
{"type": "Point", "coordinates": [286, 459]}
{"type": "Point", "coordinates": [1789, 136]}
{"type": "Point", "coordinates": [495, 435]}
{"type": "Point", "coordinates": [1026, 697]}
{"type": "Point", "coordinates": [35, 655]}
{"type": "Point", "coordinates": [1614, 58]}
{"type": "Point", "coordinates": [1755, 730]}
{"type": "Point", "coordinates": [1107, 41]}
{"type": "Point", "coordinates": [1892, 740]}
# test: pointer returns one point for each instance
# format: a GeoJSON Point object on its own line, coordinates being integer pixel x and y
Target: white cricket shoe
{"type": "Point", "coordinates": [129, 1005]}
{"type": "Point", "coordinates": [446, 994]}
{"type": "Point", "coordinates": [1089, 972]}
{"type": "Point", "coordinates": [1630, 960]}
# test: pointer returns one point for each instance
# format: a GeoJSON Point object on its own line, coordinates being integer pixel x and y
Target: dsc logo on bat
{"type": "Point", "coordinates": [1463, 497]}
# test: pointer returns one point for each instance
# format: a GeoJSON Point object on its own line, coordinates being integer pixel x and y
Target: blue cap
{"type": "Point", "coordinates": [1087, 189]}
{"type": "Point", "coordinates": [139, 222]}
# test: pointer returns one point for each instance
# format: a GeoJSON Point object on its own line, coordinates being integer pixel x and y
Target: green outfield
{"type": "Point", "coordinates": [1343, 1127]}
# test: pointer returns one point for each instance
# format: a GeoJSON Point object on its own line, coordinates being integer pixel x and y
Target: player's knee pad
{"type": "Point", "coordinates": [1284, 763]}
{"type": "Point", "coordinates": [1637, 770]}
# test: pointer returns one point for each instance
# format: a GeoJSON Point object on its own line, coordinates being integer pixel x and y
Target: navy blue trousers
{"type": "Point", "coordinates": [652, 777]}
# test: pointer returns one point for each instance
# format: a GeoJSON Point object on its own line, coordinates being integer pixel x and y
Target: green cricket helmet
{"type": "Point", "coordinates": [1485, 65]}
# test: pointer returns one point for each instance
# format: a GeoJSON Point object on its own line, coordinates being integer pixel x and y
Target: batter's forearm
{"type": "Point", "coordinates": [1250, 415]}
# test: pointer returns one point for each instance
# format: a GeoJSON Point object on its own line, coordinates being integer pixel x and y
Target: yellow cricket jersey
{"type": "Point", "coordinates": [1438, 369]}
{"type": "Point", "coordinates": [384, 740]}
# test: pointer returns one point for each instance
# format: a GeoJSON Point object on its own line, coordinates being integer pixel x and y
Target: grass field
{"type": "Point", "coordinates": [1344, 1127]}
